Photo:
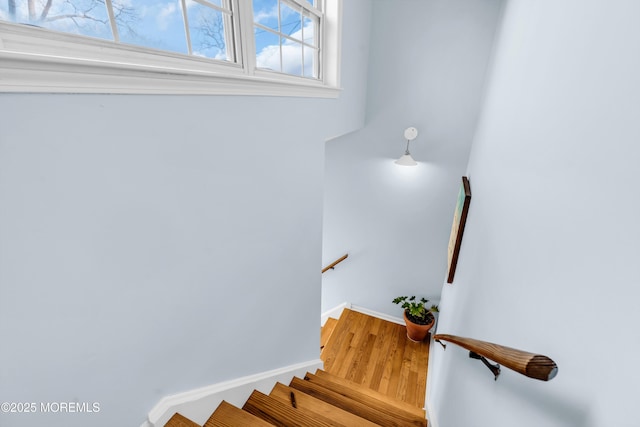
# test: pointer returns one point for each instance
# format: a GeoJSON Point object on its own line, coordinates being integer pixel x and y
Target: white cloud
{"type": "Point", "coordinates": [265, 15]}
{"type": "Point", "coordinates": [308, 34]}
{"type": "Point", "coordinates": [222, 56]}
{"type": "Point", "coordinates": [165, 14]}
{"type": "Point", "coordinates": [190, 4]}
{"type": "Point", "coordinates": [292, 59]}
{"type": "Point", "coordinates": [269, 58]}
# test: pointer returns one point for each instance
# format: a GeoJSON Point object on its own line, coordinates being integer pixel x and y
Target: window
{"type": "Point", "coordinates": [279, 47]}
{"type": "Point", "coordinates": [194, 27]}
{"type": "Point", "coordinates": [287, 36]}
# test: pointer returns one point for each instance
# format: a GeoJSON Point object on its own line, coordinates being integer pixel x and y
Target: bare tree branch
{"type": "Point", "coordinates": [45, 10]}
{"type": "Point", "coordinates": [209, 25]}
{"type": "Point", "coordinates": [211, 28]}
{"type": "Point", "coordinates": [75, 16]}
{"type": "Point", "coordinates": [79, 12]}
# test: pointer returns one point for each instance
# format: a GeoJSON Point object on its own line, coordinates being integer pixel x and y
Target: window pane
{"type": "Point", "coordinates": [86, 17]}
{"type": "Point", "coordinates": [310, 61]}
{"type": "Point", "coordinates": [290, 21]}
{"type": "Point", "coordinates": [207, 30]}
{"type": "Point", "coordinates": [298, 39]}
{"type": "Point", "coordinates": [265, 12]}
{"type": "Point", "coordinates": [267, 50]}
{"type": "Point", "coordinates": [310, 30]}
{"type": "Point", "coordinates": [291, 57]}
{"type": "Point", "coordinates": [158, 25]}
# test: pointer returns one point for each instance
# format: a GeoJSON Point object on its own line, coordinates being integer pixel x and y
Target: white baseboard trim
{"type": "Point", "coordinates": [377, 314]}
{"type": "Point", "coordinates": [431, 415]}
{"type": "Point", "coordinates": [199, 404]}
{"type": "Point", "coordinates": [335, 312]}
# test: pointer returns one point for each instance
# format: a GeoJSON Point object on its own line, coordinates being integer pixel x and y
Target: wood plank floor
{"type": "Point", "coordinates": [377, 354]}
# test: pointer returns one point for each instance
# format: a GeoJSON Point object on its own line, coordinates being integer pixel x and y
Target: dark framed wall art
{"type": "Point", "coordinates": [457, 228]}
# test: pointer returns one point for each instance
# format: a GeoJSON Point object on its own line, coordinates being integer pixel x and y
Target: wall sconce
{"type": "Point", "coordinates": [406, 160]}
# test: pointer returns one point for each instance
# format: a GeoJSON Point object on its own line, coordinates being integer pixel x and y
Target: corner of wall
{"type": "Point", "coordinates": [334, 312]}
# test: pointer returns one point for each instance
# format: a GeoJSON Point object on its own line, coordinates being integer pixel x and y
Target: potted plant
{"type": "Point", "coordinates": [417, 316]}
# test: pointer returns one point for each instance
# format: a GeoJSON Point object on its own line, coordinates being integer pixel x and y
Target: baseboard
{"type": "Point", "coordinates": [431, 415]}
{"type": "Point", "coordinates": [199, 404]}
{"type": "Point", "coordinates": [377, 314]}
{"type": "Point", "coordinates": [335, 312]}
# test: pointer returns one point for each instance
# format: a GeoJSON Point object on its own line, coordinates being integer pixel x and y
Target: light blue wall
{"type": "Point", "coordinates": [426, 69]}
{"type": "Point", "coordinates": [155, 244]}
{"type": "Point", "coordinates": [549, 260]}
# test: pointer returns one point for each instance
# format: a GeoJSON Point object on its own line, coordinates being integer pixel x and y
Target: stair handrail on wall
{"type": "Point", "coordinates": [334, 263]}
{"type": "Point", "coordinates": [529, 364]}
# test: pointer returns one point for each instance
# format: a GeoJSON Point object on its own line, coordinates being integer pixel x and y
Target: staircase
{"type": "Point", "coordinates": [355, 344]}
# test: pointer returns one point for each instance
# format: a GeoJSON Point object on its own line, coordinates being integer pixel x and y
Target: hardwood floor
{"type": "Point", "coordinates": [377, 354]}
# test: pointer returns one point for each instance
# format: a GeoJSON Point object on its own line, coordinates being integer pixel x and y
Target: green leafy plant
{"type": "Point", "coordinates": [416, 310]}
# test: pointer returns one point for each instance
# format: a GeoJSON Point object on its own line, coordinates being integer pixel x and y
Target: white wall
{"type": "Point", "coordinates": [426, 69]}
{"type": "Point", "coordinates": [549, 261]}
{"type": "Point", "coordinates": [156, 244]}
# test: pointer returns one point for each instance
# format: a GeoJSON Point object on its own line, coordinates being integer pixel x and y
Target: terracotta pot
{"type": "Point", "coordinates": [417, 332]}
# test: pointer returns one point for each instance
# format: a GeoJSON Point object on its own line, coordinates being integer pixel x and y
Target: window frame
{"type": "Point", "coordinates": [38, 60]}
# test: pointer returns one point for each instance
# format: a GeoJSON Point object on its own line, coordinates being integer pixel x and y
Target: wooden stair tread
{"type": "Point", "coordinates": [318, 408]}
{"type": "Point", "coordinates": [368, 397]}
{"type": "Point", "coordinates": [371, 413]}
{"type": "Point", "coordinates": [227, 415]}
{"type": "Point", "coordinates": [339, 337]}
{"type": "Point", "coordinates": [279, 413]}
{"type": "Point", "coordinates": [326, 331]}
{"type": "Point", "coordinates": [407, 407]}
{"type": "Point", "coordinates": [377, 354]}
{"type": "Point", "coordinates": [178, 420]}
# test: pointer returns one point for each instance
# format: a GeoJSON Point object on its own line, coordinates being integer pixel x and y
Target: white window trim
{"type": "Point", "coordinates": [37, 60]}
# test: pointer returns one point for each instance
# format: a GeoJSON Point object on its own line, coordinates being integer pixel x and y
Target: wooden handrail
{"type": "Point", "coordinates": [528, 364]}
{"type": "Point", "coordinates": [334, 263]}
